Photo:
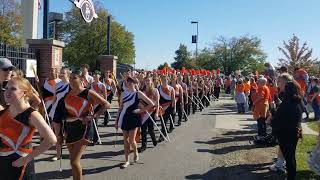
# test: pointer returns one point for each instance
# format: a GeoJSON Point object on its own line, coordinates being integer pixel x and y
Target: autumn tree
{"type": "Point", "coordinates": [296, 56]}
{"type": "Point", "coordinates": [10, 22]}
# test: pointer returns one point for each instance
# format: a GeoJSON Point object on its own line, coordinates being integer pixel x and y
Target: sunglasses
{"type": "Point", "coordinates": [7, 69]}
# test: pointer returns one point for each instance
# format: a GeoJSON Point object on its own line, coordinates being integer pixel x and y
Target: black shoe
{"type": "Point", "coordinates": [171, 129]}
{"type": "Point", "coordinates": [160, 139]}
{"type": "Point", "coordinates": [105, 123]}
{"type": "Point", "coordinates": [154, 143]}
{"type": "Point", "coordinates": [143, 148]}
{"type": "Point", "coordinates": [179, 123]}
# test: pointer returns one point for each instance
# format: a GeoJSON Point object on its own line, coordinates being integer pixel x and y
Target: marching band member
{"type": "Point", "coordinates": [185, 95]}
{"type": "Point", "coordinates": [87, 79]}
{"type": "Point", "coordinates": [129, 117]}
{"type": "Point", "coordinates": [18, 122]}
{"type": "Point", "coordinates": [201, 92]}
{"type": "Point", "coordinates": [111, 86]}
{"type": "Point", "coordinates": [179, 99]}
{"type": "Point", "coordinates": [78, 112]}
{"type": "Point", "coordinates": [168, 104]}
{"type": "Point", "coordinates": [63, 89]}
{"type": "Point", "coordinates": [147, 125]}
{"type": "Point", "coordinates": [217, 86]}
{"type": "Point", "coordinates": [49, 90]}
{"type": "Point", "coordinates": [98, 87]}
{"type": "Point", "coordinates": [194, 93]}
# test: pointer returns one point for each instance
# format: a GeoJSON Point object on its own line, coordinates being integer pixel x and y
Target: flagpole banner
{"type": "Point", "coordinates": [87, 9]}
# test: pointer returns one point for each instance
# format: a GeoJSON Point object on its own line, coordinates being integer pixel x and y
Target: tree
{"type": "Point", "coordinates": [207, 60]}
{"type": "Point", "coordinates": [182, 58]}
{"type": "Point", "coordinates": [86, 41]}
{"type": "Point", "coordinates": [243, 53]}
{"type": "Point", "coordinates": [296, 56]}
{"type": "Point", "coordinates": [10, 22]}
{"type": "Point", "coordinates": [164, 65]}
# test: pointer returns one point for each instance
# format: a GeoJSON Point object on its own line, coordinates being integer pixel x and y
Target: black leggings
{"type": "Point", "coordinates": [216, 92]}
{"type": "Point", "coordinates": [288, 140]}
{"type": "Point", "coordinates": [166, 118]}
{"type": "Point", "coordinates": [148, 127]}
{"type": "Point", "coordinates": [8, 172]}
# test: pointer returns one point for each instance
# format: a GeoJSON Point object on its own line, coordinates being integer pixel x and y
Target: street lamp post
{"type": "Point", "coordinates": [197, 37]}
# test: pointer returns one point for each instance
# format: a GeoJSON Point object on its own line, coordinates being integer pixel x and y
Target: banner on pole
{"type": "Point", "coordinates": [87, 9]}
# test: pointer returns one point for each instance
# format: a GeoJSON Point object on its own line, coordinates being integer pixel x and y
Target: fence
{"type": "Point", "coordinates": [18, 57]}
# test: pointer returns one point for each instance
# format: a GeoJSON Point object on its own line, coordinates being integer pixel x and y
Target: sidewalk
{"type": "Point", "coordinates": [228, 118]}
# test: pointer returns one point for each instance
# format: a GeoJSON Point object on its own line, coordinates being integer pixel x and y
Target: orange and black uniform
{"type": "Point", "coordinates": [108, 83]}
{"type": "Point", "coordinates": [15, 142]}
{"type": "Point", "coordinates": [75, 108]}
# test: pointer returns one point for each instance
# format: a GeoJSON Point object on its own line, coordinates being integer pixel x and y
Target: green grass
{"type": "Point", "coordinates": [304, 147]}
{"type": "Point", "coordinates": [313, 125]}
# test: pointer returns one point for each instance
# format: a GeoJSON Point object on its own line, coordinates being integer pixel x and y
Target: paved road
{"type": "Point", "coordinates": [201, 148]}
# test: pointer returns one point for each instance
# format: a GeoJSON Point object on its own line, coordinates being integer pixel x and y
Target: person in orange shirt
{"type": "Point", "coordinates": [261, 106]}
{"type": "Point", "coordinates": [273, 93]}
{"type": "Point", "coordinates": [246, 84]}
{"type": "Point", "coordinates": [253, 90]}
{"type": "Point", "coordinates": [240, 97]}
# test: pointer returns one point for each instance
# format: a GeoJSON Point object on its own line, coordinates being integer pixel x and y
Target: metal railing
{"type": "Point", "coordinates": [18, 56]}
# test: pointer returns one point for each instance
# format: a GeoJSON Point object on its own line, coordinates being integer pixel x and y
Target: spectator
{"type": "Point", "coordinates": [286, 125]}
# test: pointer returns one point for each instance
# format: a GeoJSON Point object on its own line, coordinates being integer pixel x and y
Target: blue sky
{"type": "Point", "coordinates": [160, 26]}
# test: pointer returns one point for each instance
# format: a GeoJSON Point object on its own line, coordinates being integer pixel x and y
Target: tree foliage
{"type": "Point", "coordinates": [227, 54]}
{"type": "Point", "coordinates": [10, 22]}
{"type": "Point", "coordinates": [182, 58]}
{"type": "Point", "coordinates": [164, 65]}
{"type": "Point", "coordinates": [243, 53]}
{"type": "Point", "coordinates": [86, 41]}
{"type": "Point", "coordinates": [296, 56]}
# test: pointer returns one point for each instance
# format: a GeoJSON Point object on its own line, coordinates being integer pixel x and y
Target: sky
{"type": "Point", "coordinates": [161, 26]}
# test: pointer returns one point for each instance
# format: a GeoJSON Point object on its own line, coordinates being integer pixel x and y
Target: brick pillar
{"type": "Point", "coordinates": [108, 62]}
{"type": "Point", "coordinates": [49, 55]}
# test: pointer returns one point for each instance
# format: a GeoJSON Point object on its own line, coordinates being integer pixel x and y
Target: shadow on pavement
{"type": "Point", "coordinates": [101, 155]}
{"type": "Point", "coordinates": [67, 173]}
{"type": "Point", "coordinates": [219, 140]}
{"type": "Point", "coordinates": [239, 172]}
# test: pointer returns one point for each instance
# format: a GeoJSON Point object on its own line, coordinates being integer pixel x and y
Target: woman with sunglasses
{"type": "Point", "coordinates": [18, 123]}
{"type": "Point", "coordinates": [129, 117]}
{"type": "Point", "coordinates": [6, 68]}
{"type": "Point", "coordinates": [78, 111]}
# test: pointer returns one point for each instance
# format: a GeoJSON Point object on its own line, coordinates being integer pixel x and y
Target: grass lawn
{"type": "Point", "coordinates": [304, 147]}
{"type": "Point", "coordinates": [313, 125]}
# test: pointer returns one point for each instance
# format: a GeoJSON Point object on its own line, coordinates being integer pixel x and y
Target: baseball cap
{"type": "Point", "coordinates": [5, 63]}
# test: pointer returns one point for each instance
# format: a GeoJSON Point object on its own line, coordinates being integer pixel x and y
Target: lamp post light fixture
{"type": "Point", "coordinates": [195, 38]}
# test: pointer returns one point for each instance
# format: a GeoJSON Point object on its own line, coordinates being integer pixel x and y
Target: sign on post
{"type": "Point", "coordinates": [194, 39]}
{"type": "Point", "coordinates": [31, 65]}
{"type": "Point", "coordinates": [87, 9]}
